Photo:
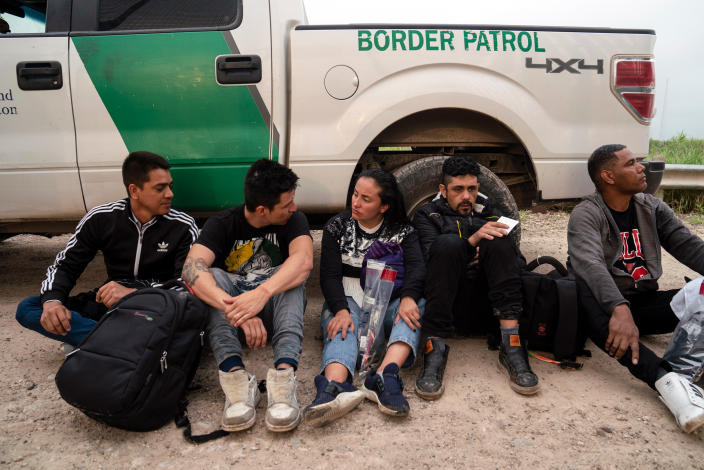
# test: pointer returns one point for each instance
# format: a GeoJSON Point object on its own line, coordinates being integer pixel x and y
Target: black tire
{"type": "Point", "coordinates": [419, 181]}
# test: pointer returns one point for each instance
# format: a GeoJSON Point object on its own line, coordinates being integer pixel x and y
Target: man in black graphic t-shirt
{"type": "Point", "coordinates": [614, 238]}
{"type": "Point", "coordinates": [249, 264]}
{"type": "Point", "coordinates": [631, 258]}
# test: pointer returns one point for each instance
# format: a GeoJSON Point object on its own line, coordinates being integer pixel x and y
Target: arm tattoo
{"type": "Point", "coordinates": [191, 268]}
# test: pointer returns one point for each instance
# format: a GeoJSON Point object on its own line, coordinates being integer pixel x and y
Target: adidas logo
{"type": "Point", "coordinates": [162, 247]}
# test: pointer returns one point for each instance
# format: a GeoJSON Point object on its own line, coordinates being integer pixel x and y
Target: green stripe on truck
{"type": "Point", "coordinates": [161, 93]}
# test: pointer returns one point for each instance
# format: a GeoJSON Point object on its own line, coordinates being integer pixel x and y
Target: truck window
{"type": "Point", "coordinates": [22, 16]}
{"type": "Point", "coordinates": [125, 15]}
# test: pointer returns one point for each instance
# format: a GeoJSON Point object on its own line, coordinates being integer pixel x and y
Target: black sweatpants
{"type": "Point", "coordinates": [652, 315]}
{"type": "Point", "coordinates": [460, 298]}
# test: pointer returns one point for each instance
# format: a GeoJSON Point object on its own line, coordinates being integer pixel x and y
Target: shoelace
{"type": "Point", "coordinates": [280, 391]}
{"type": "Point", "coordinates": [240, 391]}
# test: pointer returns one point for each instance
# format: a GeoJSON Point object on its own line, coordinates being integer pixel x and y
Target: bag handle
{"type": "Point", "coordinates": [547, 260]}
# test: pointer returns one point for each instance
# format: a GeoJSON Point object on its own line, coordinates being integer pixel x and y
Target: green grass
{"type": "Point", "coordinates": [682, 150]}
{"type": "Point", "coordinates": [695, 219]}
{"type": "Point", "coordinates": [678, 150]}
{"type": "Point", "coordinates": [685, 201]}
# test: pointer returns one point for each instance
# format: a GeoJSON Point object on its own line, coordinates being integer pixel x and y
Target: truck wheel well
{"type": "Point", "coordinates": [453, 131]}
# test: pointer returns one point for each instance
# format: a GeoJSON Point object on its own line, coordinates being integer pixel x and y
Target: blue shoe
{"type": "Point", "coordinates": [387, 391]}
{"type": "Point", "coordinates": [332, 401]}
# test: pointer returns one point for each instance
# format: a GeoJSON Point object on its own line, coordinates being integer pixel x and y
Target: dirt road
{"type": "Point", "coordinates": [598, 417]}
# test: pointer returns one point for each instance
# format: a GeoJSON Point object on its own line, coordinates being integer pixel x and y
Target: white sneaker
{"type": "Point", "coordinates": [282, 413]}
{"type": "Point", "coordinates": [241, 397]}
{"type": "Point", "coordinates": [684, 399]}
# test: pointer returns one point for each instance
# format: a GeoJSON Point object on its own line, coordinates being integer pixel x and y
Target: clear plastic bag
{"type": "Point", "coordinates": [377, 292]}
{"type": "Point", "coordinates": [685, 353]}
{"type": "Point", "coordinates": [373, 272]}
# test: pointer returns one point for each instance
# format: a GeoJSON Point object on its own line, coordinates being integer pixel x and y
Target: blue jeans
{"type": "Point", "coordinates": [345, 351]}
{"type": "Point", "coordinates": [282, 317]}
{"type": "Point", "coordinates": [29, 314]}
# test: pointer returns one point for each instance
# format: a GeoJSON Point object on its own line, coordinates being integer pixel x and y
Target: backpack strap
{"type": "Point", "coordinates": [176, 284]}
{"type": "Point", "coordinates": [568, 319]}
{"type": "Point", "coordinates": [181, 420]}
{"type": "Point", "coordinates": [563, 364]}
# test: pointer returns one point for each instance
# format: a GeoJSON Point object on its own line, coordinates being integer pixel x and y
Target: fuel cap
{"type": "Point", "coordinates": [341, 82]}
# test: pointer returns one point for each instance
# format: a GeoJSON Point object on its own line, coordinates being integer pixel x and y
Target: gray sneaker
{"type": "Point", "coordinates": [282, 413]}
{"type": "Point", "coordinates": [241, 398]}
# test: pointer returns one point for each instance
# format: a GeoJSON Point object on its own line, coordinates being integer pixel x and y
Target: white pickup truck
{"type": "Point", "coordinates": [214, 85]}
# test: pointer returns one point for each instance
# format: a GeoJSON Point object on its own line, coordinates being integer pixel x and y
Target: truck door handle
{"type": "Point", "coordinates": [39, 75]}
{"type": "Point", "coordinates": [237, 65]}
{"type": "Point", "coordinates": [238, 69]}
{"type": "Point", "coordinates": [40, 71]}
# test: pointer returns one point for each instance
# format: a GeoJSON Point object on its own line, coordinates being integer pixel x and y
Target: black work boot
{"type": "Point", "coordinates": [429, 382]}
{"type": "Point", "coordinates": [514, 357]}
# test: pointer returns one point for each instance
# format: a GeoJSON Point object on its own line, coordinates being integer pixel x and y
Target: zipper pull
{"type": "Point", "coordinates": [162, 362]}
{"type": "Point", "coordinates": [202, 340]}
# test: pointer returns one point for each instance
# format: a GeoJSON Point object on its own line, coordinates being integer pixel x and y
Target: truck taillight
{"type": "Point", "coordinates": [642, 103]}
{"type": "Point", "coordinates": [637, 72]}
{"type": "Point", "coordinates": [633, 83]}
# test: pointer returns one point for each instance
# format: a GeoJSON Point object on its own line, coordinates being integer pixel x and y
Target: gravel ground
{"type": "Point", "coordinates": [598, 417]}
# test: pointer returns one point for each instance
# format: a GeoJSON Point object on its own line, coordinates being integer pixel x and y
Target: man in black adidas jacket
{"type": "Point", "coordinates": [469, 261]}
{"type": "Point", "coordinates": [143, 241]}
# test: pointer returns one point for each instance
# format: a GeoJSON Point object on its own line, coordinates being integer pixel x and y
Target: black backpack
{"type": "Point", "coordinates": [132, 371]}
{"type": "Point", "coordinates": [551, 321]}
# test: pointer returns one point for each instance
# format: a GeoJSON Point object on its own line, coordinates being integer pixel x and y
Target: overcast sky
{"type": "Point", "coordinates": [678, 24]}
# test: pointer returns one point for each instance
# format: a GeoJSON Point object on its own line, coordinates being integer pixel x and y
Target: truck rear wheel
{"type": "Point", "coordinates": [419, 179]}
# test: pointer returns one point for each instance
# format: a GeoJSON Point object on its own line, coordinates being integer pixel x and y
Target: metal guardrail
{"type": "Point", "coordinates": [683, 177]}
